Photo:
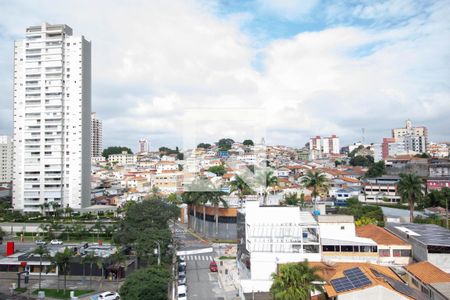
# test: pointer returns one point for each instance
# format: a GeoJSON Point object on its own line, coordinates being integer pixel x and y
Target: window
{"type": "Point", "coordinates": [401, 253]}
{"type": "Point", "coordinates": [384, 252]}
{"type": "Point", "coordinates": [346, 248]}
{"type": "Point", "coordinates": [342, 227]}
{"type": "Point", "coordinates": [329, 248]}
{"type": "Point", "coordinates": [414, 282]}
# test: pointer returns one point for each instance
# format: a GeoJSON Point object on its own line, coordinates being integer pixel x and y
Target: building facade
{"type": "Point", "coordinates": [324, 146]}
{"type": "Point", "coordinates": [143, 146]}
{"type": "Point", "coordinates": [52, 118]}
{"type": "Point", "coordinates": [96, 136]}
{"type": "Point", "coordinates": [6, 159]}
{"type": "Point", "coordinates": [414, 138]}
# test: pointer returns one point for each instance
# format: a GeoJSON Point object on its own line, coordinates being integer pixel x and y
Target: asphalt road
{"type": "Point", "coordinates": [201, 283]}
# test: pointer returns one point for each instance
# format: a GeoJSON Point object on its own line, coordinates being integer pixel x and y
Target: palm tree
{"type": "Point", "coordinates": [98, 228]}
{"type": "Point", "coordinates": [411, 188]}
{"type": "Point", "coordinates": [291, 199]}
{"type": "Point", "coordinates": [91, 259]}
{"type": "Point", "coordinates": [317, 181]}
{"type": "Point", "coordinates": [241, 187]}
{"type": "Point", "coordinates": [42, 252]}
{"type": "Point", "coordinates": [68, 229]}
{"type": "Point", "coordinates": [62, 260]}
{"type": "Point", "coordinates": [266, 179]}
{"type": "Point", "coordinates": [296, 281]}
{"type": "Point", "coordinates": [215, 198]}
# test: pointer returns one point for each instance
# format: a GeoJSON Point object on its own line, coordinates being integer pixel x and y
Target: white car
{"type": "Point", "coordinates": [40, 242]}
{"type": "Point", "coordinates": [182, 261]}
{"type": "Point", "coordinates": [182, 292]}
{"type": "Point", "coordinates": [109, 296]}
{"type": "Point", "coordinates": [56, 242]}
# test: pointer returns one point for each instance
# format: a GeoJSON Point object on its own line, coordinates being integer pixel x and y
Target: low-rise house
{"type": "Point", "coordinates": [391, 249]}
{"type": "Point", "coordinates": [428, 279]}
{"type": "Point", "coordinates": [380, 189]}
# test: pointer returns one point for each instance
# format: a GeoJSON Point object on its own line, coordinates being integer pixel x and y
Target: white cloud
{"type": "Point", "coordinates": [152, 63]}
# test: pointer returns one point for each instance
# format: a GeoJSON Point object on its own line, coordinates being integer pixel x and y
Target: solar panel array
{"type": "Point", "coordinates": [354, 278]}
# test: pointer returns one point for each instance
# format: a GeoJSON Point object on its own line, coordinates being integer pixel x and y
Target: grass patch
{"type": "Point", "coordinates": [53, 293]}
{"type": "Point", "coordinates": [20, 290]}
{"type": "Point", "coordinates": [218, 241]}
{"type": "Point", "coordinates": [227, 257]}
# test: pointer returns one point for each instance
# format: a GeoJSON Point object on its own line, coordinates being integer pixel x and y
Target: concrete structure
{"type": "Point", "coordinates": [415, 138]}
{"type": "Point", "coordinates": [429, 242]}
{"type": "Point", "coordinates": [206, 225]}
{"type": "Point", "coordinates": [143, 146]}
{"type": "Point", "coordinates": [341, 244]}
{"type": "Point", "coordinates": [269, 236]}
{"type": "Point", "coordinates": [123, 159]}
{"type": "Point", "coordinates": [325, 146]}
{"type": "Point", "coordinates": [391, 249]}
{"type": "Point", "coordinates": [428, 279]}
{"type": "Point", "coordinates": [6, 159]}
{"type": "Point", "coordinates": [52, 118]}
{"type": "Point", "coordinates": [96, 136]}
{"type": "Point", "coordinates": [438, 150]}
{"type": "Point", "coordinates": [380, 189]}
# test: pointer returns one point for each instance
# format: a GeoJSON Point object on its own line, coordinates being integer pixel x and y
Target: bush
{"type": "Point", "coordinates": [145, 282]}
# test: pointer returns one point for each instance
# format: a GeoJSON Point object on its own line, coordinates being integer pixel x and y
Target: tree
{"type": "Point", "coordinates": [145, 282]}
{"type": "Point", "coordinates": [98, 228]}
{"type": "Point", "coordinates": [90, 259]}
{"type": "Point", "coordinates": [218, 170]}
{"type": "Point", "coordinates": [215, 198]}
{"type": "Point", "coordinates": [317, 181]}
{"type": "Point", "coordinates": [62, 261]}
{"type": "Point", "coordinates": [291, 199]}
{"type": "Point", "coordinates": [174, 199]}
{"type": "Point", "coordinates": [296, 281]}
{"type": "Point", "coordinates": [266, 179]}
{"type": "Point", "coordinates": [376, 170]}
{"type": "Point", "coordinates": [366, 221]}
{"type": "Point", "coordinates": [115, 150]}
{"type": "Point", "coordinates": [225, 144]}
{"type": "Point", "coordinates": [363, 161]}
{"type": "Point", "coordinates": [241, 187]}
{"type": "Point", "coordinates": [411, 189]}
{"type": "Point", "coordinates": [204, 145]}
{"type": "Point", "coordinates": [42, 252]}
{"type": "Point", "coordinates": [248, 143]}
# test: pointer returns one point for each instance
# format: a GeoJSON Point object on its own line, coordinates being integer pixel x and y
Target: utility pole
{"type": "Point", "coordinates": [159, 252]}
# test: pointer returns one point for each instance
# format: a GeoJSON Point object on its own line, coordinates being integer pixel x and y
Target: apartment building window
{"type": "Point", "coordinates": [401, 253]}
{"type": "Point", "coordinates": [384, 252]}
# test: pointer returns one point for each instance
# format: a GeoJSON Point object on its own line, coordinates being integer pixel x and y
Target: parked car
{"type": "Point", "coordinates": [182, 278]}
{"type": "Point", "coordinates": [109, 296]}
{"type": "Point", "coordinates": [56, 242]}
{"type": "Point", "coordinates": [182, 292]}
{"type": "Point", "coordinates": [213, 266]}
{"type": "Point", "coordinates": [40, 242]}
{"type": "Point", "coordinates": [182, 261]}
{"type": "Point", "coordinates": [181, 268]}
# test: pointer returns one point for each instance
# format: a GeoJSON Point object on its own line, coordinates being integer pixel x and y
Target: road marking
{"type": "Point", "coordinates": [196, 251]}
{"type": "Point", "coordinates": [199, 257]}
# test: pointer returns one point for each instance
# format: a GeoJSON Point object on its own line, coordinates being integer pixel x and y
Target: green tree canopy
{"type": "Point", "coordinates": [296, 281]}
{"type": "Point", "coordinates": [218, 170]}
{"type": "Point", "coordinates": [411, 189]}
{"type": "Point", "coordinates": [115, 150]}
{"type": "Point", "coordinates": [376, 170]}
{"type": "Point", "coordinates": [204, 145]}
{"type": "Point", "coordinates": [248, 143]}
{"type": "Point", "coordinates": [225, 143]}
{"type": "Point", "coordinates": [149, 282]}
{"type": "Point", "coordinates": [363, 161]}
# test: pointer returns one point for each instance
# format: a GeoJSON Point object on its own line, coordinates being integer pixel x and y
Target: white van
{"type": "Point", "coordinates": [182, 293]}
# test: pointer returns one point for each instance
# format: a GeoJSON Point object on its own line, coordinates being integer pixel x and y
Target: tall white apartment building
{"type": "Point", "coordinates": [324, 146]}
{"type": "Point", "coordinates": [96, 136]}
{"type": "Point", "coordinates": [52, 118]}
{"type": "Point", "coordinates": [6, 158]}
{"type": "Point", "coordinates": [414, 138]}
{"type": "Point", "coordinates": [143, 145]}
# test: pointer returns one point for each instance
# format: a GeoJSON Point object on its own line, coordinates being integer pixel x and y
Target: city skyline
{"type": "Point", "coordinates": [317, 68]}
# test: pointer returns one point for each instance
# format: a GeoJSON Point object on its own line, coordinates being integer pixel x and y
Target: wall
{"type": "Point", "coordinates": [375, 292]}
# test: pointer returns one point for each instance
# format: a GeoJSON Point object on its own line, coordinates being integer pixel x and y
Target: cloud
{"type": "Point", "coordinates": [153, 62]}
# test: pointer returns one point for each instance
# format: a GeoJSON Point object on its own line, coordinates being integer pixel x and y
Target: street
{"type": "Point", "coordinates": [201, 283]}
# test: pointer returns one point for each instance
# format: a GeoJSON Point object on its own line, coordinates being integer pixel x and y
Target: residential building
{"type": "Point", "coordinates": [6, 159]}
{"type": "Point", "coordinates": [428, 279]}
{"type": "Point", "coordinates": [391, 249]}
{"type": "Point", "coordinates": [414, 138]}
{"type": "Point", "coordinates": [96, 136]}
{"type": "Point", "coordinates": [325, 146]}
{"type": "Point", "coordinates": [271, 235]}
{"type": "Point", "coordinates": [143, 146]}
{"type": "Point", "coordinates": [439, 174]}
{"type": "Point", "coordinates": [123, 159]}
{"type": "Point", "coordinates": [340, 243]}
{"type": "Point", "coordinates": [429, 242]}
{"type": "Point", "coordinates": [350, 281]}
{"type": "Point", "coordinates": [380, 189]}
{"type": "Point", "coordinates": [52, 118]}
{"type": "Point", "coordinates": [438, 150]}
{"type": "Point", "coordinates": [388, 148]}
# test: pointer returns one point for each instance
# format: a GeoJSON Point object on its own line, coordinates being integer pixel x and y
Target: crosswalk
{"type": "Point", "coordinates": [180, 230]}
{"type": "Point", "coordinates": [199, 257]}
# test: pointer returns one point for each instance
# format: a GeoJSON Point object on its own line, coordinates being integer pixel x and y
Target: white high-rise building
{"type": "Point", "coordinates": [143, 146]}
{"type": "Point", "coordinates": [6, 159]}
{"type": "Point", "coordinates": [96, 136]}
{"type": "Point", "coordinates": [324, 146]}
{"type": "Point", "coordinates": [52, 118]}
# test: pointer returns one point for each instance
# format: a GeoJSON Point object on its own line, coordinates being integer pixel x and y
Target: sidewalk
{"type": "Point", "coordinates": [228, 272]}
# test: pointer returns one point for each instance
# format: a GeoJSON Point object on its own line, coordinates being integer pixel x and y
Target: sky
{"type": "Point", "coordinates": [185, 72]}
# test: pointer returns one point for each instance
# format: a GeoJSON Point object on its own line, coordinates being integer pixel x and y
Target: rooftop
{"type": "Point", "coordinates": [427, 234]}
{"type": "Point", "coordinates": [427, 272]}
{"type": "Point", "coordinates": [380, 235]}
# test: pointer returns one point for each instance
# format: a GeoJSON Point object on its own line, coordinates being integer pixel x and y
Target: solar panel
{"type": "Point", "coordinates": [341, 284]}
{"type": "Point", "coordinates": [354, 278]}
